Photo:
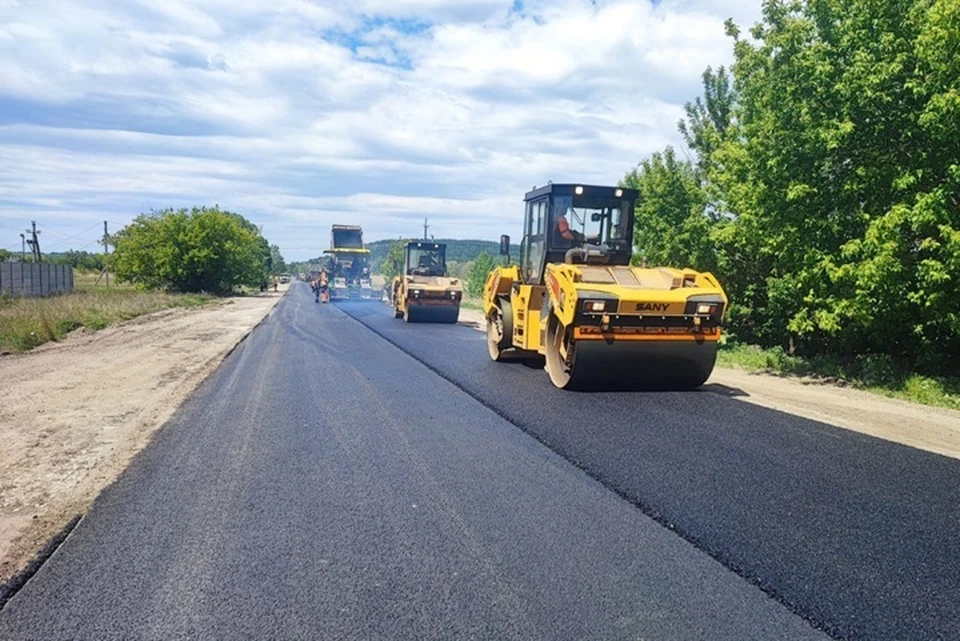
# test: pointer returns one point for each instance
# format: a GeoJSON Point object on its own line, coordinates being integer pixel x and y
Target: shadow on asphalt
{"type": "Point", "coordinates": [724, 390]}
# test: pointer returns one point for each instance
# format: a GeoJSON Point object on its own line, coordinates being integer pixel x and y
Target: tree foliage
{"type": "Point", "coordinates": [827, 180]}
{"type": "Point", "coordinates": [83, 260]}
{"type": "Point", "coordinates": [203, 249]}
{"type": "Point", "coordinates": [457, 249]}
{"type": "Point", "coordinates": [477, 275]}
{"type": "Point", "coordinates": [277, 264]}
{"type": "Point", "coordinates": [671, 228]}
{"type": "Point", "coordinates": [392, 262]}
{"type": "Point", "coordinates": [708, 118]}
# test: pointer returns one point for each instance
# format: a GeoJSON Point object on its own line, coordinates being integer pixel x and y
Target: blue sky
{"type": "Point", "coordinates": [303, 113]}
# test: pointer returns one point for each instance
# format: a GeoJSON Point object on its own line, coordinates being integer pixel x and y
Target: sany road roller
{"type": "Point", "coordinates": [423, 292]}
{"type": "Point", "coordinates": [598, 322]}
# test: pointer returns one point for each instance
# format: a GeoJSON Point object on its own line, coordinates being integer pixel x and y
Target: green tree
{"type": "Point", "coordinates": [295, 267]}
{"type": "Point", "coordinates": [277, 264]}
{"type": "Point", "coordinates": [5, 255]}
{"type": "Point", "coordinates": [671, 224]}
{"type": "Point", "coordinates": [203, 249]}
{"type": "Point", "coordinates": [392, 263]}
{"type": "Point", "coordinates": [830, 172]}
{"type": "Point", "coordinates": [477, 276]}
{"type": "Point", "coordinates": [457, 269]}
{"type": "Point", "coordinates": [853, 174]}
{"type": "Point", "coordinates": [82, 260]}
{"type": "Point", "coordinates": [709, 118]}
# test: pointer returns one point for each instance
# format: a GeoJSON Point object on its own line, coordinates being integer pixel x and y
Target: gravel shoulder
{"type": "Point", "coordinates": [927, 428]}
{"type": "Point", "coordinates": [75, 413]}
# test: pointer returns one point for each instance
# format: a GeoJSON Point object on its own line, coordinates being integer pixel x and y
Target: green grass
{"type": "Point", "coordinates": [26, 323]}
{"type": "Point", "coordinates": [87, 281]}
{"type": "Point", "coordinates": [875, 373]}
{"type": "Point", "coordinates": [469, 302]}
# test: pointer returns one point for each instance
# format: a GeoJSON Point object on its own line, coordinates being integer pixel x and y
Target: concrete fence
{"type": "Point", "coordinates": [35, 279]}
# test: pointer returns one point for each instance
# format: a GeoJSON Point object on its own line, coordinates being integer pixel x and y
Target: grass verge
{"type": "Point", "coordinates": [875, 373]}
{"type": "Point", "coordinates": [26, 323]}
{"type": "Point", "coordinates": [469, 302]}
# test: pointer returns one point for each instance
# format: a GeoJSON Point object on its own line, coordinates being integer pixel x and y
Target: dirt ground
{"type": "Point", "coordinates": [926, 428]}
{"type": "Point", "coordinates": [74, 413]}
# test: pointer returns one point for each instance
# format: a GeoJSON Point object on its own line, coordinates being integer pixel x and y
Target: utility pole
{"type": "Point", "coordinates": [34, 242]}
{"type": "Point", "coordinates": [23, 248]}
{"type": "Point", "coordinates": [106, 251]}
{"type": "Point", "coordinates": [425, 227]}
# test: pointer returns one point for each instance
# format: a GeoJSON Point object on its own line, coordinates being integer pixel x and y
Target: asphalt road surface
{"type": "Point", "coordinates": [326, 484]}
{"type": "Point", "coordinates": [858, 535]}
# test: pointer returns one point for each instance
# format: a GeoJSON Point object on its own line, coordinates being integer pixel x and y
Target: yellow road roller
{"type": "Point", "coordinates": [598, 322]}
{"type": "Point", "coordinates": [423, 292]}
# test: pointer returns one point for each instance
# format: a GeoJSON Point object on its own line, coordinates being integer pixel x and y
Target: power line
{"type": "Point", "coordinates": [55, 233]}
{"type": "Point", "coordinates": [93, 242]}
{"type": "Point", "coordinates": [69, 238]}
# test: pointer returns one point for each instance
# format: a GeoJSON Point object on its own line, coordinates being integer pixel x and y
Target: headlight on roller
{"type": "Point", "coordinates": [597, 306]}
{"type": "Point", "coordinates": [704, 308]}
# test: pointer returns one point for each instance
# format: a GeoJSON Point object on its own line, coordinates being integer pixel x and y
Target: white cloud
{"type": "Point", "coordinates": [302, 113]}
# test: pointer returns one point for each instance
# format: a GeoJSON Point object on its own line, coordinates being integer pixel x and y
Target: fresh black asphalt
{"type": "Point", "coordinates": [860, 536]}
{"type": "Point", "coordinates": [323, 484]}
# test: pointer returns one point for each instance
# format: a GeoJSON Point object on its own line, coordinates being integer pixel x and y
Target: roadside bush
{"type": "Point", "coordinates": [201, 250]}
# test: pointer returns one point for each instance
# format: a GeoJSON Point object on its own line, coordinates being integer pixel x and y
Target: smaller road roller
{"type": "Point", "coordinates": [423, 292]}
{"type": "Point", "coordinates": [598, 322]}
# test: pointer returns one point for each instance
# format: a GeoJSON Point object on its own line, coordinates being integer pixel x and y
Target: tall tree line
{"type": "Point", "coordinates": [823, 186]}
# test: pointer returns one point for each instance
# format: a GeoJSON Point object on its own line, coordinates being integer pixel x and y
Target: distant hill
{"type": "Point", "coordinates": [457, 250]}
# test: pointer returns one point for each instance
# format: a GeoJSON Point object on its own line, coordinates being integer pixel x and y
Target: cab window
{"type": "Point", "coordinates": [536, 240]}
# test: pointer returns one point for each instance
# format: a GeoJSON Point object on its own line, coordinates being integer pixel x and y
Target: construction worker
{"type": "Point", "coordinates": [568, 234]}
{"type": "Point", "coordinates": [323, 289]}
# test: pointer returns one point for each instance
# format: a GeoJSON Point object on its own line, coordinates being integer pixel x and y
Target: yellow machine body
{"type": "Point", "coordinates": [605, 324]}
{"type": "Point", "coordinates": [423, 291]}
{"type": "Point", "coordinates": [349, 265]}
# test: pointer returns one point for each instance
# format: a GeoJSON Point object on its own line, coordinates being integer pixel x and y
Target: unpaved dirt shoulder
{"type": "Point", "coordinates": [75, 413]}
{"type": "Point", "coordinates": [927, 428]}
